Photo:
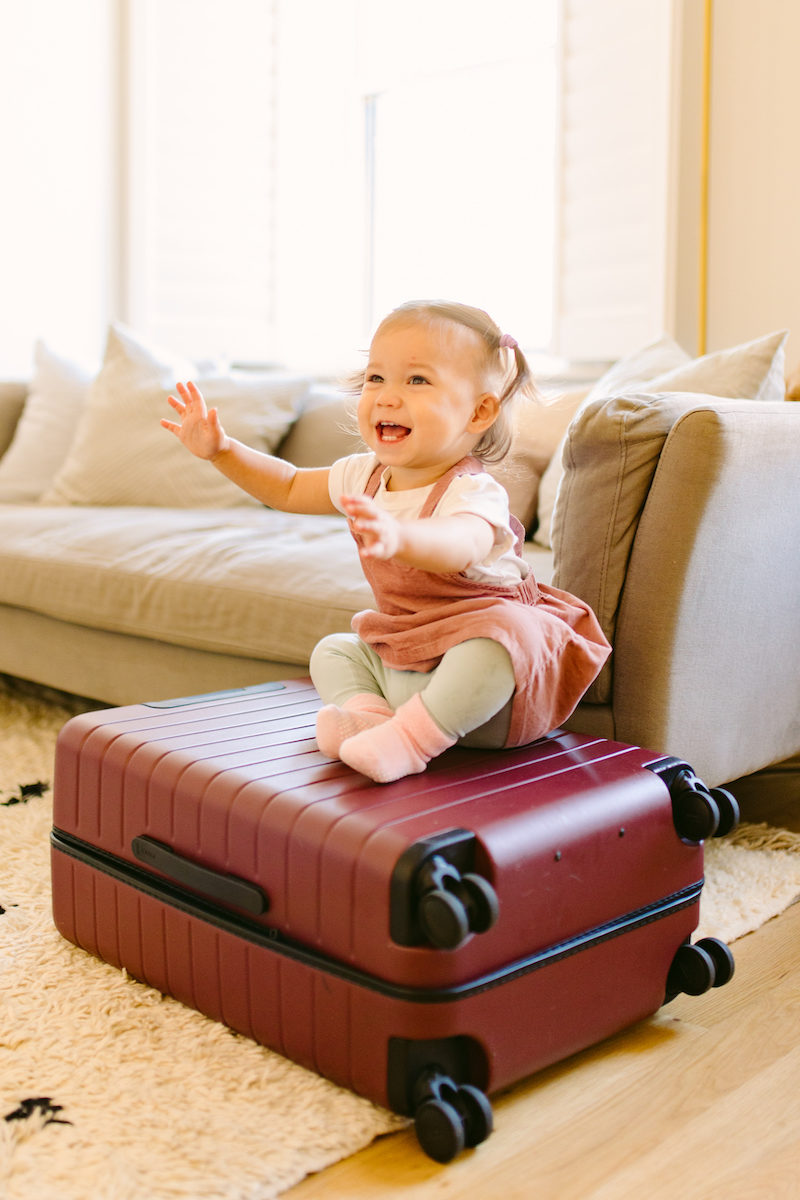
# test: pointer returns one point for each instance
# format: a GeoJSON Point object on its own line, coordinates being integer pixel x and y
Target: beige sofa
{"type": "Point", "coordinates": [129, 572]}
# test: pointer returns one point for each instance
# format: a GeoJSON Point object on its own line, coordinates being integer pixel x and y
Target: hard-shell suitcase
{"type": "Point", "coordinates": [424, 942]}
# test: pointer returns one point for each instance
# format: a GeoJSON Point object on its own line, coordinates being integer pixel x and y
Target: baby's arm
{"type": "Point", "coordinates": [271, 480]}
{"type": "Point", "coordinates": [443, 545]}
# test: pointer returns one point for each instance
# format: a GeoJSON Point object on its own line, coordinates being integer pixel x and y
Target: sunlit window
{"type": "Point", "coordinates": [460, 118]}
{"type": "Point", "coordinates": [300, 167]}
{"type": "Point", "coordinates": [261, 180]}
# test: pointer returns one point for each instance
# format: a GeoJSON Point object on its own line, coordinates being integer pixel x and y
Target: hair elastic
{"type": "Point", "coordinates": [508, 342]}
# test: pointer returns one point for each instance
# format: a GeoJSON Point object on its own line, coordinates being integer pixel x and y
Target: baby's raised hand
{"type": "Point", "coordinates": [379, 531]}
{"type": "Point", "coordinates": [199, 428]}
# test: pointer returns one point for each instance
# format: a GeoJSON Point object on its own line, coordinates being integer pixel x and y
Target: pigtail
{"type": "Point", "coordinates": [518, 387]}
{"type": "Point", "coordinates": [521, 381]}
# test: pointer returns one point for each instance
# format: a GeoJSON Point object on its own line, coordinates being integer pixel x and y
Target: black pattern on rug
{"type": "Point", "coordinates": [43, 1105]}
{"type": "Point", "coordinates": [32, 1106]}
{"type": "Point", "coordinates": [25, 792]}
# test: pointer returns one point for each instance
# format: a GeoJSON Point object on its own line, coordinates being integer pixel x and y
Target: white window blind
{"type": "Point", "coordinates": [202, 203]}
{"type": "Point", "coordinates": [614, 203]}
{"type": "Point", "coordinates": [292, 168]}
{"type": "Point", "coordinates": [56, 199]}
{"type": "Point", "coordinates": [298, 167]}
{"type": "Point", "coordinates": [461, 155]}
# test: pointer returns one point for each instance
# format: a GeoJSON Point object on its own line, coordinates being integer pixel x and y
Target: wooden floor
{"type": "Point", "coordinates": [700, 1102]}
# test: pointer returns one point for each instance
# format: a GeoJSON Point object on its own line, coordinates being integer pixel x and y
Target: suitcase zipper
{"type": "Point", "coordinates": [272, 939]}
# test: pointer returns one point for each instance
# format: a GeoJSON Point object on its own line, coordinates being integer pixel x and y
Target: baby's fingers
{"type": "Point", "coordinates": [358, 506]}
{"type": "Point", "coordinates": [192, 397]}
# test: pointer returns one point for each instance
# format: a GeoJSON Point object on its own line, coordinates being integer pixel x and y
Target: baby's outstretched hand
{"type": "Point", "coordinates": [378, 530]}
{"type": "Point", "coordinates": [199, 428]}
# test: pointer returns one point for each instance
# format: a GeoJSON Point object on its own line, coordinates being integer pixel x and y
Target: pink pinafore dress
{"type": "Point", "coordinates": [555, 642]}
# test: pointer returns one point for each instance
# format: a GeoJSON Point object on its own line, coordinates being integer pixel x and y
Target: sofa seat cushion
{"type": "Point", "coordinates": [249, 582]}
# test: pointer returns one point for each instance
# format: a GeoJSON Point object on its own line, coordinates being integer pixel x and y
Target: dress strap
{"type": "Point", "coordinates": [465, 466]}
{"type": "Point", "coordinates": [374, 481]}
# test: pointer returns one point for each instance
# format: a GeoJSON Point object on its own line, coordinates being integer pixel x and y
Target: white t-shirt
{"type": "Point", "coordinates": [480, 495]}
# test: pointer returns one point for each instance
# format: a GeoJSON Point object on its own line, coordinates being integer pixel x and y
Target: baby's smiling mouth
{"type": "Point", "coordinates": [389, 432]}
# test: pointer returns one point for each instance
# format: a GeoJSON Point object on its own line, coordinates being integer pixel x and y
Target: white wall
{"type": "Point", "coordinates": [754, 180]}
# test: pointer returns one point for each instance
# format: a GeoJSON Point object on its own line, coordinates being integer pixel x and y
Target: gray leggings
{"type": "Point", "coordinates": [469, 693]}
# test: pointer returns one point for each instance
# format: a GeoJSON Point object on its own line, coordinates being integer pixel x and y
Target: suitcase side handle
{"type": "Point", "coordinates": [227, 889]}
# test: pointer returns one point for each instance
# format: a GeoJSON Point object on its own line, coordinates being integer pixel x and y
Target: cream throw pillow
{"type": "Point", "coordinates": [631, 372]}
{"type": "Point", "coordinates": [538, 430]}
{"type": "Point", "coordinates": [46, 428]}
{"type": "Point", "coordinates": [122, 456]}
{"type": "Point", "coordinates": [752, 371]}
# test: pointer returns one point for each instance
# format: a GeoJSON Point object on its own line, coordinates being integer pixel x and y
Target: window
{"type": "Point", "coordinates": [299, 167]}
{"type": "Point", "coordinates": [263, 179]}
{"type": "Point", "coordinates": [460, 106]}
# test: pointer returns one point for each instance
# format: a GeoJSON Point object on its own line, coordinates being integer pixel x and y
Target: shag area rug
{"type": "Point", "coordinates": [110, 1091]}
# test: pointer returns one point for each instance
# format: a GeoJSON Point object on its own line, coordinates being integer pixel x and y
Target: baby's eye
{"type": "Point", "coordinates": [417, 379]}
{"type": "Point", "coordinates": [374, 378]}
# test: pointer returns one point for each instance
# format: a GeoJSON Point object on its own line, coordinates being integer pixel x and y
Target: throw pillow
{"type": "Point", "coordinates": [538, 429]}
{"type": "Point", "coordinates": [793, 385]}
{"type": "Point", "coordinates": [631, 372]}
{"type": "Point", "coordinates": [46, 428]}
{"type": "Point", "coordinates": [12, 401]}
{"type": "Point", "coordinates": [325, 430]}
{"type": "Point", "coordinates": [752, 371]}
{"type": "Point", "coordinates": [122, 456]}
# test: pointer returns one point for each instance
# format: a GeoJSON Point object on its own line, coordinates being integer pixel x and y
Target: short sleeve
{"type": "Point", "coordinates": [349, 476]}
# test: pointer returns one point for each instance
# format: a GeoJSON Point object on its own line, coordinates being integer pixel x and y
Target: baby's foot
{"type": "Point", "coordinates": [335, 724]}
{"type": "Point", "coordinates": [401, 746]}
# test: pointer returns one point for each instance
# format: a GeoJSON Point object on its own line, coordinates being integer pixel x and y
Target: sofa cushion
{"type": "Point", "coordinates": [248, 581]}
{"type": "Point", "coordinates": [612, 452]}
{"type": "Point", "coordinates": [47, 426]}
{"type": "Point", "coordinates": [122, 456]}
{"type": "Point", "coordinates": [753, 370]}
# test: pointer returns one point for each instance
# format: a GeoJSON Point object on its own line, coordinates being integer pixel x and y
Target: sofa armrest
{"type": "Point", "coordinates": [707, 646]}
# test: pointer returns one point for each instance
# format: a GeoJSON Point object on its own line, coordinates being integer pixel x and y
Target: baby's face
{"type": "Point", "coordinates": [418, 408]}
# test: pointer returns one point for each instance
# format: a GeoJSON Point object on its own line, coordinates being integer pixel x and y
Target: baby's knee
{"type": "Point", "coordinates": [341, 666]}
{"type": "Point", "coordinates": [334, 645]}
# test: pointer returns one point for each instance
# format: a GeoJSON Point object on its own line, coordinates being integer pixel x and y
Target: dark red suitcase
{"type": "Point", "coordinates": [423, 943]}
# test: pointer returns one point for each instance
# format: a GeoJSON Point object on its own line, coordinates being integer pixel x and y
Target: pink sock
{"type": "Point", "coordinates": [401, 746]}
{"type": "Point", "coordinates": [359, 712]}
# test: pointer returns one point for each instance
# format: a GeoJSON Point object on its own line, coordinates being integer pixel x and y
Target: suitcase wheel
{"type": "Point", "coordinates": [728, 811]}
{"type": "Point", "coordinates": [722, 955]}
{"type": "Point", "coordinates": [696, 968]}
{"type": "Point", "coordinates": [700, 813]}
{"type": "Point", "coordinates": [454, 905]}
{"type": "Point", "coordinates": [449, 1116]}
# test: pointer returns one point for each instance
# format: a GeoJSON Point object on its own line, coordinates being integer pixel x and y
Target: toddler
{"type": "Point", "coordinates": [464, 646]}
